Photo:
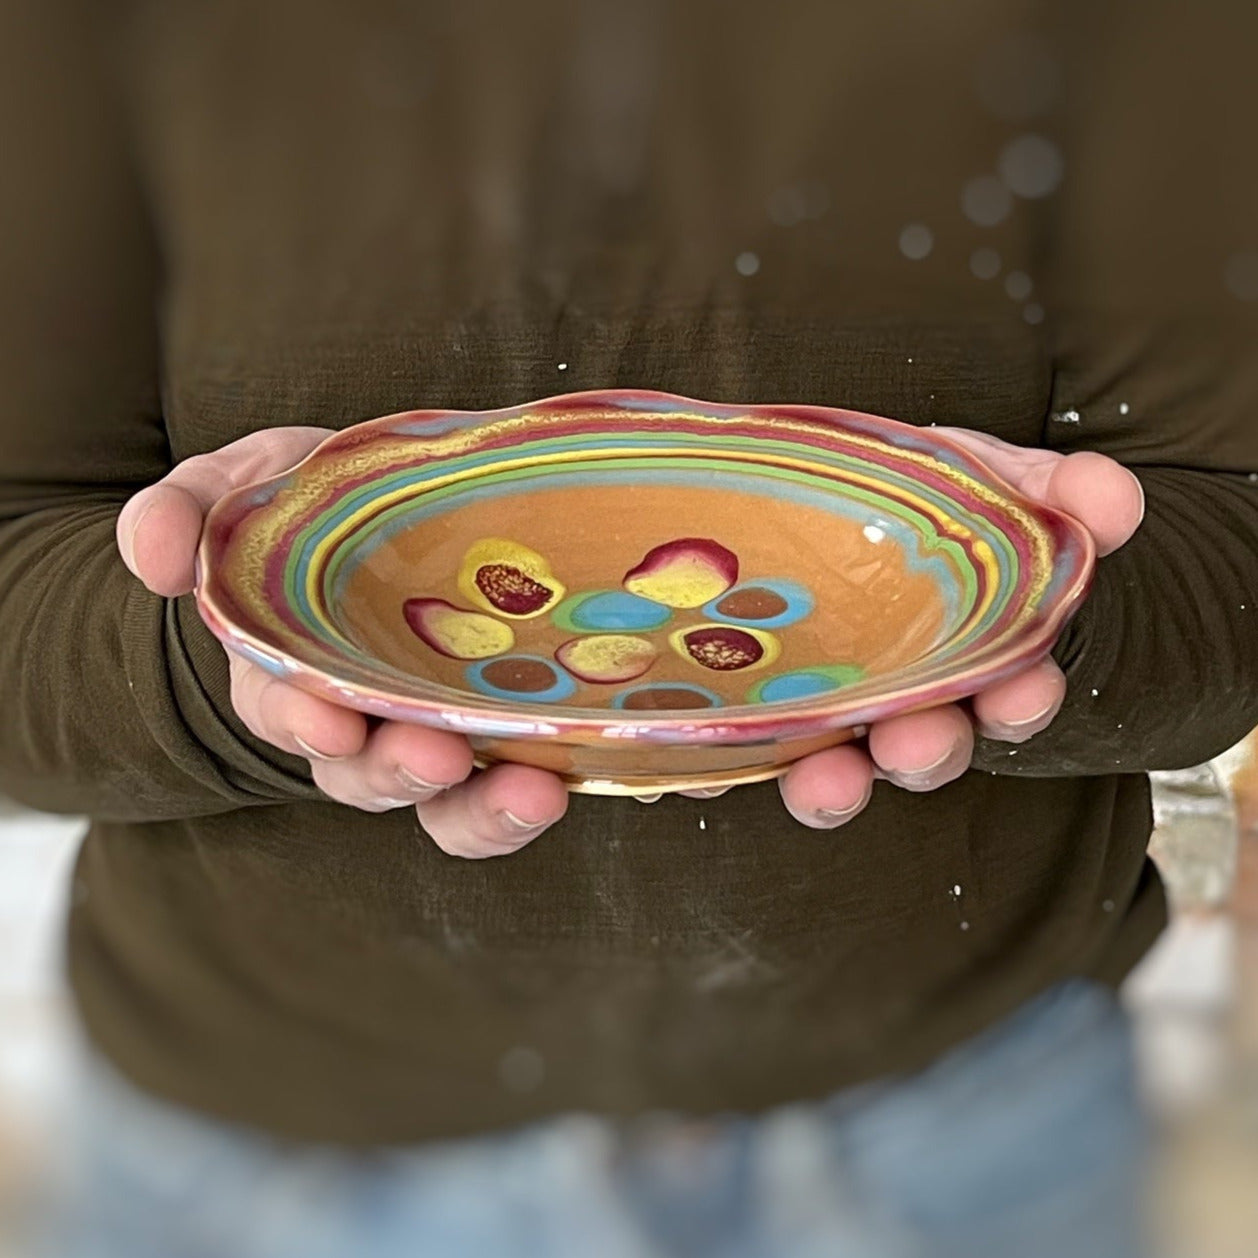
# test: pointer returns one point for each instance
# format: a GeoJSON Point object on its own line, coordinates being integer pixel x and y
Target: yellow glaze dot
{"type": "Point", "coordinates": [683, 583]}
{"type": "Point", "coordinates": [687, 572]}
{"type": "Point", "coordinates": [508, 579]}
{"type": "Point", "coordinates": [471, 636]}
{"type": "Point", "coordinates": [463, 635]}
{"type": "Point", "coordinates": [607, 658]}
{"type": "Point", "coordinates": [726, 648]}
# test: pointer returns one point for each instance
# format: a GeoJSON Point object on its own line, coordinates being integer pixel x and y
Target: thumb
{"type": "Point", "coordinates": [1105, 497]}
{"type": "Point", "coordinates": [160, 527]}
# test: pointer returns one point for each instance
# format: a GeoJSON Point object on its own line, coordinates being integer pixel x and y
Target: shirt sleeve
{"type": "Point", "coordinates": [114, 701]}
{"type": "Point", "coordinates": [1150, 269]}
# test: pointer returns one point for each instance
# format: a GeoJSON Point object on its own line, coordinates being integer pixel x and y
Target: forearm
{"type": "Point", "coordinates": [115, 702]}
{"type": "Point", "coordinates": [1162, 662]}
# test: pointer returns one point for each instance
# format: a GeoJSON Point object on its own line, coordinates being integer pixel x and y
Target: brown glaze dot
{"type": "Point", "coordinates": [723, 649]}
{"type": "Point", "coordinates": [511, 590]}
{"type": "Point", "coordinates": [666, 699]}
{"type": "Point", "coordinates": [527, 677]}
{"type": "Point", "coordinates": [753, 602]}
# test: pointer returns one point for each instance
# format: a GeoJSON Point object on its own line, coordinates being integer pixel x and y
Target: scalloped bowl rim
{"type": "Point", "coordinates": [845, 709]}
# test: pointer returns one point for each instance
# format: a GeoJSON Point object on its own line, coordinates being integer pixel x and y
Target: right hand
{"type": "Point", "coordinates": [374, 767]}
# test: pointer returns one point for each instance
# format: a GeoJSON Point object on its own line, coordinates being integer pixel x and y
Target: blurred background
{"type": "Point", "coordinates": [1195, 1001]}
{"type": "Point", "coordinates": [936, 216]}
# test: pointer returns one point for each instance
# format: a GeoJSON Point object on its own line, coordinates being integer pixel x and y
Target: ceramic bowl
{"type": "Point", "coordinates": [638, 591]}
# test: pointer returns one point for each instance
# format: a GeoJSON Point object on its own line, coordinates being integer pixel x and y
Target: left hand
{"type": "Point", "coordinates": [926, 750]}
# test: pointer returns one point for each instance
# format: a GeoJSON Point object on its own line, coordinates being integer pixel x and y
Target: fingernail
{"type": "Point", "coordinates": [710, 793]}
{"type": "Point", "coordinates": [314, 753]}
{"type": "Point", "coordinates": [920, 779]}
{"type": "Point", "coordinates": [650, 799]}
{"type": "Point", "coordinates": [422, 790]}
{"type": "Point", "coordinates": [126, 543]}
{"type": "Point", "coordinates": [389, 805]}
{"type": "Point", "coordinates": [832, 818]}
{"type": "Point", "coordinates": [1018, 731]}
{"type": "Point", "coordinates": [519, 825]}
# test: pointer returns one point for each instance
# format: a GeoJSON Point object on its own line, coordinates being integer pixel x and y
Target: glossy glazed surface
{"type": "Point", "coordinates": [638, 567]}
{"type": "Point", "coordinates": [871, 606]}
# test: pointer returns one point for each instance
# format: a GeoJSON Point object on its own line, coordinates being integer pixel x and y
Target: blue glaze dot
{"type": "Point", "coordinates": [804, 683]}
{"type": "Point", "coordinates": [563, 688]}
{"type": "Point", "coordinates": [610, 611]}
{"type": "Point", "coordinates": [799, 603]}
{"type": "Point", "coordinates": [714, 700]}
{"type": "Point", "coordinates": [792, 686]}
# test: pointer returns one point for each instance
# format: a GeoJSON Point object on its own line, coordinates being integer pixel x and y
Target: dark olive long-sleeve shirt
{"type": "Point", "coordinates": [1040, 221]}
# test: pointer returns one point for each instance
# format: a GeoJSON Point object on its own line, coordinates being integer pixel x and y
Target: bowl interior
{"type": "Point", "coordinates": [757, 593]}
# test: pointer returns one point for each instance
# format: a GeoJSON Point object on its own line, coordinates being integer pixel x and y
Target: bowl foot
{"type": "Point", "coordinates": [656, 786]}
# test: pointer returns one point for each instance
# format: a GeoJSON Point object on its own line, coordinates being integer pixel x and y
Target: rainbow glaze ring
{"type": "Point", "coordinates": [639, 591]}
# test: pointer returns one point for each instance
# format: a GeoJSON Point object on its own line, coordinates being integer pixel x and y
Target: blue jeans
{"type": "Point", "coordinates": [1024, 1143]}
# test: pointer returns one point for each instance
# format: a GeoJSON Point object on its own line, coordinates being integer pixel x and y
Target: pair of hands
{"type": "Point", "coordinates": [388, 766]}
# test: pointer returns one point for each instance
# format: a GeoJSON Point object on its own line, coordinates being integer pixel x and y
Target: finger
{"type": "Point", "coordinates": [830, 788]}
{"type": "Point", "coordinates": [158, 534]}
{"type": "Point", "coordinates": [160, 527]}
{"type": "Point", "coordinates": [1105, 497]}
{"type": "Point", "coordinates": [496, 812]}
{"type": "Point", "coordinates": [1102, 495]}
{"type": "Point", "coordinates": [924, 750]}
{"type": "Point", "coordinates": [1021, 707]}
{"type": "Point", "coordinates": [401, 766]}
{"type": "Point", "coordinates": [291, 719]}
